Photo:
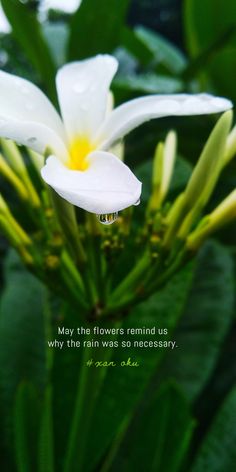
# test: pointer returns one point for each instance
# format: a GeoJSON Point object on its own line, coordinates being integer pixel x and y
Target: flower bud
{"type": "Point", "coordinates": [221, 216]}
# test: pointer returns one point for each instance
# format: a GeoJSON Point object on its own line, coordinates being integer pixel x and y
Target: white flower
{"type": "Point", "coordinates": [80, 167]}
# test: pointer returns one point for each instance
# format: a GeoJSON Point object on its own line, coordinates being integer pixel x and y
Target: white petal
{"type": "Point", "coordinates": [21, 100]}
{"type": "Point", "coordinates": [135, 112]}
{"type": "Point", "coordinates": [83, 93]}
{"type": "Point", "coordinates": [33, 135]}
{"type": "Point", "coordinates": [106, 186]}
{"type": "Point", "coordinates": [27, 116]}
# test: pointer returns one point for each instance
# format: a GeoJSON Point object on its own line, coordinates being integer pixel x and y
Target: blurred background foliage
{"type": "Point", "coordinates": [178, 411]}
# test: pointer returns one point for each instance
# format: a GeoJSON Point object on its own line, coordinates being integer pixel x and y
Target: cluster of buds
{"type": "Point", "coordinates": [87, 259]}
{"type": "Point", "coordinates": [181, 223]}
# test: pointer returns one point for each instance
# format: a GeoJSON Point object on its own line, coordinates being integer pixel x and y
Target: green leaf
{"type": "Point", "coordinates": [161, 433]}
{"type": "Point", "coordinates": [136, 46]}
{"type": "Point", "coordinates": [163, 51]}
{"type": "Point", "coordinates": [26, 416]}
{"type": "Point", "coordinates": [217, 452]}
{"type": "Point", "coordinates": [147, 83]}
{"type": "Point", "coordinates": [124, 387]}
{"type": "Point", "coordinates": [28, 33]}
{"type": "Point", "coordinates": [46, 456]}
{"type": "Point", "coordinates": [202, 31]}
{"type": "Point", "coordinates": [201, 61]}
{"type": "Point", "coordinates": [207, 318]}
{"type": "Point", "coordinates": [56, 35]}
{"type": "Point", "coordinates": [22, 352]}
{"type": "Point", "coordinates": [96, 27]}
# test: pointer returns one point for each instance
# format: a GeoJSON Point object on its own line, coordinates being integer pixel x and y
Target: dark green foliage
{"type": "Point", "coordinates": [96, 27]}
{"type": "Point", "coordinates": [217, 452]}
{"type": "Point", "coordinates": [22, 358]}
{"type": "Point", "coordinates": [206, 320]}
{"type": "Point", "coordinates": [124, 387]}
{"type": "Point", "coordinates": [27, 31]}
{"type": "Point", "coordinates": [161, 434]}
{"type": "Point", "coordinates": [26, 419]}
{"type": "Point", "coordinates": [210, 26]}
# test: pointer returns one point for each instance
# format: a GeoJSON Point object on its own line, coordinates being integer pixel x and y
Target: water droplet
{"type": "Point", "coordinates": [137, 203]}
{"type": "Point", "coordinates": [31, 140]}
{"type": "Point", "coordinates": [107, 218]}
{"type": "Point", "coordinates": [80, 87]}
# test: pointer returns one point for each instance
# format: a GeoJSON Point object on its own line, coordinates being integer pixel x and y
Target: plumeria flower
{"type": "Point", "coordinates": [79, 166]}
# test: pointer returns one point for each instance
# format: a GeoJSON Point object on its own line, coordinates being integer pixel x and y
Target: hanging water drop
{"type": "Point", "coordinates": [137, 203]}
{"type": "Point", "coordinates": [107, 218]}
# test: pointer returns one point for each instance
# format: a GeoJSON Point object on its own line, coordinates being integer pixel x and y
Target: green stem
{"type": "Point", "coordinates": [81, 416]}
{"type": "Point", "coordinates": [129, 283]}
{"type": "Point", "coordinates": [142, 293]}
{"type": "Point", "coordinates": [82, 289]}
{"type": "Point", "coordinates": [89, 386]}
{"type": "Point", "coordinates": [106, 466]}
{"type": "Point", "coordinates": [95, 257]}
{"type": "Point", "coordinates": [46, 439]}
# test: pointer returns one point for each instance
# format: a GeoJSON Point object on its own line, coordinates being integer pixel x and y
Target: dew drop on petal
{"type": "Point", "coordinates": [107, 218]}
{"type": "Point", "coordinates": [31, 140]}
{"type": "Point", "coordinates": [80, 87]}
{"type": "Point", "coordinates": [137, 203]}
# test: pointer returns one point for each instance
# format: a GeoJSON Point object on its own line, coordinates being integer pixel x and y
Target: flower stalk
{"type": "Point", "coordinates": [12, 178]}
{"type": "Point", "coordinates": [223, 214]}
{"type": "Point", "coordinates": [17, 164]}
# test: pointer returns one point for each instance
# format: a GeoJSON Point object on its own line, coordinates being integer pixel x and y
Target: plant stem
{"type": "Point", "coordinates": [129, 283]}
{"type": "Point", "coordinates": [89, 386]}
{"type": "Point", "coordinates": [138, 295]}
{"type": "Point", "coordinates": [46, 439]}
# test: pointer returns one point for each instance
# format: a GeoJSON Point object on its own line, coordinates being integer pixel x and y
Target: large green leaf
{"type": "Point", "coordinates": [217, 452]}
{"type": "Point", "coordinates": [164, 52]}
{"type": "Point", "coordinates": [136, 46]}
{"type": "Point", "coordinates": [124, 387]}
{"type": "Point", "coordinates": [26, 418]}
{"type": "Point", "coordinates": [146, 83]}
{"type": "Point", "coordinates": [27, 31]}
{"type": "Point", "coordinates": [56, 35]}
{"type": "Point", "coordinates": [161, 433]}
{"type": "Point", "coordinates": [205, 23]}
{"type": "Point", "coordinates": [208, 314]}
{"type": "Point", "coordinates": [96, 27]}
{"type": "Point", "coordinates": [22, 356]}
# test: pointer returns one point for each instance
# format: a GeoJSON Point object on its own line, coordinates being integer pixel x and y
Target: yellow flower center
{"type": "Point", "coordinates": [78, 152]}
